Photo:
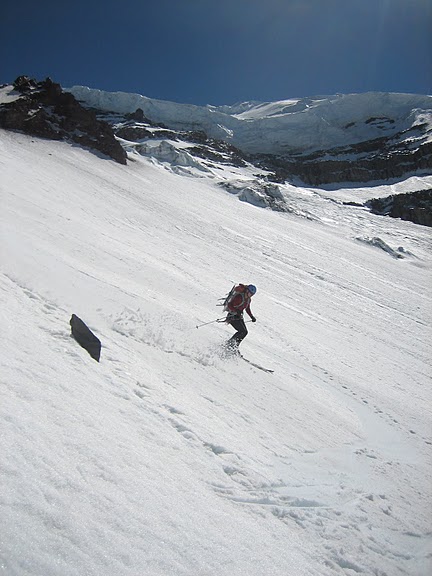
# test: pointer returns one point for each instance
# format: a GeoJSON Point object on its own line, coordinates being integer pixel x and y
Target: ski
{"type": "Point", "coordinates": [256, 365]}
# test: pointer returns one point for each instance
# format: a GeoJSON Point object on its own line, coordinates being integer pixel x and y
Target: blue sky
{"type": "Point", "coordinates": [221, 51]}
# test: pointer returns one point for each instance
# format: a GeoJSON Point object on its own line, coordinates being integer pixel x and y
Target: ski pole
{"type": "Point", "coordinates": [211, 322]}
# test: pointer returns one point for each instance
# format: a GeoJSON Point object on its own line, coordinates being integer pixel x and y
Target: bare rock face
{"type": "Point", "coordinates": [415, 206]}
{"type": "Point", "coordinates": [44, 110]}
{"type": "Point", "coordinates": [367, 161]}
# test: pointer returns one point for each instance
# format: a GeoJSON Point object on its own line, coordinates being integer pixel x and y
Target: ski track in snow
{"type": "Point", "coordinates": [329, 509]}
{"type": "Point", "coordinates": [167, 457]}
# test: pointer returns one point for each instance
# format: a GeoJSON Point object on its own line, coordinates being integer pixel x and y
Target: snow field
{"type": "Point", "coordinates": [167, 458]}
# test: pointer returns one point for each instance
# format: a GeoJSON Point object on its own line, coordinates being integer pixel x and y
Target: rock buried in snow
{"type": "Point", "coordinates": [85, 337]}
{"type": "Point", "coordinates": [400, 252]}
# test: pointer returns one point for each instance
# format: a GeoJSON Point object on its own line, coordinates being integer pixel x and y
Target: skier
{"type": "Point", "coordinates": [239, 300]}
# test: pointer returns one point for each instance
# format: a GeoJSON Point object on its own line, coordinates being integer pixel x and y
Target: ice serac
{"type": "Point", "coordinates": [175, 116]}
{"type": "Point", "coordinates": [292, 126]}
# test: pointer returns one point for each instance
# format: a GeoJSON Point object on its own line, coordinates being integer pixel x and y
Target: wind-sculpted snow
{"type": "Point", "coordinates": [300, 125]}
{"type": "Point", "coordinates": [167, 457]}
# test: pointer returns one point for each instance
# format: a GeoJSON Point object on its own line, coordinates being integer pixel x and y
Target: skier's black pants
{"type": "Point", "coordinates": [238, 324]}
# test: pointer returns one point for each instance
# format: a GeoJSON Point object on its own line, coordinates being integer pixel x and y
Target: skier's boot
{"type": "Point", "coordinates": [232, 347]}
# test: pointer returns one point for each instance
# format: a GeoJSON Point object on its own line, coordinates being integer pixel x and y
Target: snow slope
{"type": "Point", "coordinates": [299, 125]}
{"type": "Point", "coordinates": [166, 457]}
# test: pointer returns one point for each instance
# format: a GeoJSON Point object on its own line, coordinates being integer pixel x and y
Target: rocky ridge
{"type": "Point", "coordinates": [415, 207]}
{"type": "Point", "coordinates": [43, 109]}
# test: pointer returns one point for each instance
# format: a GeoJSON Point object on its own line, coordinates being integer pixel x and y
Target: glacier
{"type": "Point", "coordinates": [289, 126]}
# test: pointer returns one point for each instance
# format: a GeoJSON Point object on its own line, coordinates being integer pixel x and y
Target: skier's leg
{"type": "Point", "coordinates": [241, 331]}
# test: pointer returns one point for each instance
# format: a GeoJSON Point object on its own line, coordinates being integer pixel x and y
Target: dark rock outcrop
{"type": "Point", "coordinates": [44, 110]}
{"type": "Point", "coordinates": [85, 337]}
{"type": "Point", "coordinates": [370, 161]}
{"type": "Point", "coordinates": [135, 133]}
{"type": "Point", "coordinates": [415, 206]}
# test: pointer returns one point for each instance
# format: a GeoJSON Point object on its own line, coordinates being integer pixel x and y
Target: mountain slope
{"type": "Point", "coordinates": [167, 458]}
{"type": "Point", "coordinates": [321, 140]}
{"type": "Point", "coordinates": [316, 141]}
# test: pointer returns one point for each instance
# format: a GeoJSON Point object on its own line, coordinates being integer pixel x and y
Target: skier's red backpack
{"type": "Point", "coordinates": [235, 290]}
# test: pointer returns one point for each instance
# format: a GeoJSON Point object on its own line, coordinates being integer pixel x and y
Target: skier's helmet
{"type": "Point", "coordinates": [251, 288]}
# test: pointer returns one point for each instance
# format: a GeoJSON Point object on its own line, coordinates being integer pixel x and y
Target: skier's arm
{"type": "Point", "coordinates": [248, 310]}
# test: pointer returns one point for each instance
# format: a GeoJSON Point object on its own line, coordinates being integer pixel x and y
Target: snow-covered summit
{"type": "Point", "coordinates": [288, 126]}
